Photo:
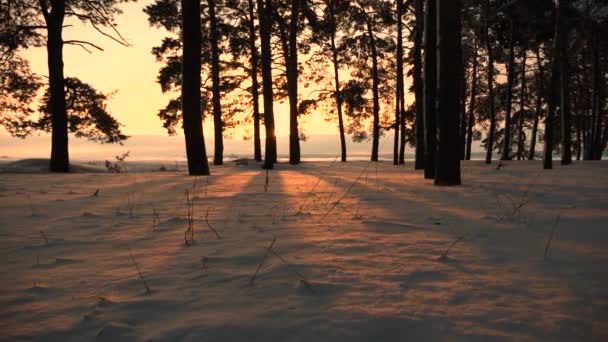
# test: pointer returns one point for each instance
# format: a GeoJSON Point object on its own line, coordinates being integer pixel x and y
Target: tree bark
{"type": "Point", "coordinates": [506, 147]}
{"type": "Point", "coordinates": [539, 102]}
{"type": "Point", "coordinates": [292, 84]}
{"type": "Point", "coordinates": [449, 73]}
{"type": "Point", "coordinates": [191, 88]}
{"type": "Point", "coordinates": [522, 107]}
{"type": "Point", "coordinates": [430, 88]}
{"type": "Point", "coordinates": [264, 14]}
{"type": "Point", "coordinates": [418, 83]}
{"type": "Point", "coordinates": [489, 48]}
{"type": "Point", "coordinates": [338, 94]}
{"type": "Point", "coordinates": [399, 118]}
{"type": "Point", "coordinates": [375, 92]}
{"type": "Point", "coordinates": [257, 145]}
{"type": "Point", "coordinates": [218, 123]}
{"type": "Point", "coordinates": [565, 89]}
{"type": "Point", "coordinates": [472, 104]}
{"type": "Point", "coordinates": [553, 91]}
{"type": "Point", "coordinates": [60, 160]}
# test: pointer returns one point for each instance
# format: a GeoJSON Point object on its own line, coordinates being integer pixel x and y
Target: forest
{"type": "Point", "coordinates": [485, 222]}
{"type": "Point", "coordinates": [526, 79]}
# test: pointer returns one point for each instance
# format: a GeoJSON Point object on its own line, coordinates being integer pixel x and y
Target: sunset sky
{"type": "Point", "coordinates": [132, 71]}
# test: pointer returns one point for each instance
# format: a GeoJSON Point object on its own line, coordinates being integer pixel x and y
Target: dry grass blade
{"type": "Point", "coordinates": [46, 241]}
{"type": "Point", "coordinates": [189, 233]}
{"type": "Point", "coordinates": [347, 191]}
{"type": "Point", "coordinates": [548, 244]}
{"type": "Point", "coordinates": [209, 224]}
{"type": "Point", "coordinates": [263, 260]}
{"type": "Point", "coordinates": [141, 276]}
{"type": "Point", "coordinates": [308, 196]}
{"type": "Point", "coordinates": [289, 266]}
{"type": "Point", "coordinates": [444, 255]}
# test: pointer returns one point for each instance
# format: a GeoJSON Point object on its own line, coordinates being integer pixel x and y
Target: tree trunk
{"type": "Point", "coordinates": [292, 85]}
{"type": "Point", "coordinates": [418, 83]}
{"type": "Point", "coordinates": [463, 103]}
{"type": "Point", "coordinates": [430, 88]}
{"type": "Point", "coordinates": [375, 92]}
{"type": "Point", "coordinates": [522, 107]}
{"type": "Point", "coordinates": [399, 118]}
{"type": "Point", "coordinates": [565, 90]}
{"type": "Point", "coordinates": [539, 102]}
{"type": "Point", "coordinates": [506, 147]}
{"type": "Point", "coordinates": [191, 88]}
{"type": "Point", "coordinates": [257, 145]}
{"type": "Point", "coordinates": [595, 147]}
{"type": "Point", "coordinates": [554, 85]}
{"type": "Point", "coordinates": [264, 14]}
{"type": "Point", "coordinates": [337, 93]}
{"type": "Point", "coordinates": [472, 103]}
{"type": "Point", "coordinates": [449, 75]}
{"type": "Point", "coordinates": [489, 48]}
{"type": "Point", "coordinates": [60, 160]}
{"type": "Point", "coordinates": [218, 124]}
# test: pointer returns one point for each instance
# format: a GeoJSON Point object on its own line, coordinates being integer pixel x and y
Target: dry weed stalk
{"type": "Point", "coordinates": [444, 254]}
{"type": "Point", "coordinates": [131, 203]}
{"type": "Point", "coordinates": [262, 262]}
{"type": "Point", "coordinates": [290, 267]}
{"type": "Point", "coordinates": [141, 276]}
{"type": "Point", "coordinates": [155, 217]}
{"type": "Point", "coordinates": [548, 244]}
{"type": "Point", "coordinates": [189, 233]}
{"type": "Point", "coordinates": [347, 192]}
{"type": "Point", "coordinates": [96, 193]}
{"type": "Point", "coordinates": [46, 241]}
{"type": "Point", "coordinates": [209, 224]}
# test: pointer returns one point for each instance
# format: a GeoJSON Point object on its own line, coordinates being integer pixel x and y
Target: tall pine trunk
{"type": "Point", "coordinates": [472, 104]}
{"type": "Point", "coordinates": [191, 88]}
{"type": "Point", "coordinates": [60, 160]}
{"type": "Point", "coordinates": [449, 75]}
{"type": "Point", "coordinates": [539, 102]}
{"type": "Point", "coordinates": [506, 147]}
{"type": "Point", "coordinates": [399, 117]}
{"type": "Point", "coordinates": [264, 14]}
{"type": "Point", "coordinates": [375, 92]}
{"type": "Point", "coordinates": [489, 48]}
{"type": "Point", "coordinates": [218, 124]}
{"type": "Point", "coordinates": [430, 88]}
{"type": "Point", "coordinates": [522, 107]}
{"type": "Point", "coordinates": [337, 93]}
{"type": "Point", "coordinates": [418, 83]}
{"type": "Point", "coordinates": [292, 84]}
{"type": "Point", "coordinates": [553, 90]}
{"type": "Point", "coordinates": [257, 145]}
{"type": "Point", "coordinates": [565, 90]}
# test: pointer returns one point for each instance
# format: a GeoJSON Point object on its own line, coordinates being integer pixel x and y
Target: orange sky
{"type": "Point", "coordinates": [133, 70]}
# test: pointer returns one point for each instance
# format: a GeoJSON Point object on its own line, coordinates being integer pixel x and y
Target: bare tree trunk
{"type": "Point", "coordinates": [292, 84]}
{"type": "Point", "coordinates": [449, 81]}
{"type": "Point", "coordinates": [522, 106]}
{"type": "Point", "coordinates": [375, 92]}
{"type": "Point", "coordinates": [595, 136]}
{"type": "Point", "coordinates": [539, 102]}
{"type": "Point", "coordinates": [553, 91]}
{"type": "Point", "coordinates": [191, 88]}
{"type": "Point", "coordinates": [418, 83]}
{"type": "Point", "coordinates": [218, 123]}
{"type": "Point", "coordinates": [337, 93]}
{"type": "Point", "coordinates": [257, 144]}
{"type": "Point", "coordinates": [489, 48]}
{"type": "Point", "coordinates": [60, 160]}
{"type": "Point", "coordinates": [506, 147]}
{"type": "Point", "coordinates": [430, 88]}
{"type": "Point", "coordinates": [463, 103]}
{"type": "Point", "coordinates": [472, 103]}
{"type": "Point", "coordinates": [565, 90]}
{"type": "Point", "coordinates": [264, 14]}
{"type": "Point", "coordinates": [399, 117]}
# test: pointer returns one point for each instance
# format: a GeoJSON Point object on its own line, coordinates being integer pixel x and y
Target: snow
{"type": "Point", "coordinates": [358, 265]}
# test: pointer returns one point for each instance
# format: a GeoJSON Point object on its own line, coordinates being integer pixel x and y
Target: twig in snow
{"type": "Point", "coordinates": [444, 255]}
{"type": "Point", "coordinates": [347, 192]}
{"type": "Point", "coordinates": [302, 278]}
{"type": "Point", "coordinates": [46, 241]}
{"type": "Point", "coordinates": [155, 217]}
{"type": "Point", "coordinates": [262, 262]}
{"type": "Point", "coordinates": [96, 193]}
{"type": "Point", "coordinates": [548, 244]}
{"type": "Point", "coordinates": [141, 276]}
{"type": "Point", "coordinates": [209, 224]}
{"type": "Point", "coordinates": [189, 233]}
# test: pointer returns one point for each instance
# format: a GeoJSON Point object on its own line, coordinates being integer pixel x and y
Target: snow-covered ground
{"type": "Point", "coordinates": [356, 254]}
